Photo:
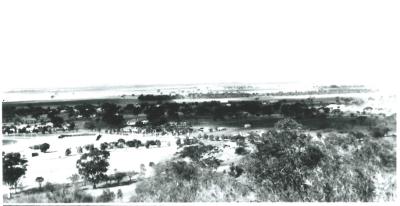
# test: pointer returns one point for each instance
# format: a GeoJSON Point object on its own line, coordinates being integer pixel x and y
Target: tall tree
{"type": "Point", "coordinates": [93, 165]}
{"type": "Point", "coordinates": [14, 167]}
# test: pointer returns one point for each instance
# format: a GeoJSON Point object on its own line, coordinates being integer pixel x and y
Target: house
{"type": "Point", "coordinates": [246, 126]}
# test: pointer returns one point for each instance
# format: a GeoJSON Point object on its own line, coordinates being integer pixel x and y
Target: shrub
{"type": "Point", "coordinates": [44, 147]}
{"type": "Point", "coordinates": [235, 171]}
{"type": "Point", "coordinates": [241, 151]}
{"type": "Point", "coordinates": [106, 196]}
{"type": "Point", "coordinates": [104, 146]}
{"type": "Point", "coordinates": [195, 152]}
{"type": "Point", "coordinates": [312, 156]}
{"type": "Point", "coordinates": [168, 185]}
{"type": "Point", "coordinates": [119, 194]}
{"type": "Point", "coordinates": [287, 124]}
{"type": "Point", "coordinates": [63, 194]}
{"type": "Point", "coordinates": [379, 131]}
{"type": "Point", "coordinates": [89, 147]}
{"type": "Point", "coordinates": [67, 152]}
{"type": "Point", "coordinates": [210, 162]}
{"type": "Point", "coordinates": [79, 150]}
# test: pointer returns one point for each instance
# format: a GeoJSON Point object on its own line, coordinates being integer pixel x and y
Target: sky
{"type": "Point", "coordinates": [48, 44]}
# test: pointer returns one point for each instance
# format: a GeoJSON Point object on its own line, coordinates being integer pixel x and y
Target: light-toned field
{"type": "Point", "coordinates": [55, 167]}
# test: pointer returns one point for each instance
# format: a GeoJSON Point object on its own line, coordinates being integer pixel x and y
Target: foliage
{"type": "Point", "coordinates": [63, 194]}
{"type": "Point", "coordinates": [196, 152]}
{"type": "Point", "coordinates": [119, 194]}
{"type": "Point", "coordinates": [379, 131]}
{"type": "Point", "coordinates": [93, 165]}
{"type": "Point", "coordinates": [287, 124]}
{"type": "Point", "coordinates": [186, 182]}
{"type": "Point", "coordinates": [106, 196]}
{"type": "Point", "coordinates": [67, 152]}
{"type": "Point", "coordinates": [119, 176]}
{"type": "Point", "coordinates": [39, 180]}
{"type": "Point", "coordinates": [14, 167]}
{"type": "Point", "coordinates": [241, 151]}
{"type": "Point", "coordinates": [44, 147]}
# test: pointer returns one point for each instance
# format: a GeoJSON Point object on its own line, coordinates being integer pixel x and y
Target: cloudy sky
{"type": "Point", "coordinates": [82, 43]}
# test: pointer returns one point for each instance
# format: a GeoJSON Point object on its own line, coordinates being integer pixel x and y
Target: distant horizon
{"type": "Point", "coordinates": [109, 86]}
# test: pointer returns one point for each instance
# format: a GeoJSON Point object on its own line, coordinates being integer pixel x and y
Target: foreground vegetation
{"type": "Point", "coordinates": [286, 165]}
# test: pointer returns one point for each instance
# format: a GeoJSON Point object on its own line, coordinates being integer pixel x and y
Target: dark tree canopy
{"type": "Point", "coordinates": [44, 147]}
{"type": "Point", "coordinates": [93, 165]}
{"type": "Point", "coordinates": [14, 167]}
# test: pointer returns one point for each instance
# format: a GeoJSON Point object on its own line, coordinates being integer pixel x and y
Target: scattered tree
{"type": "Point", "coordinates": [93, 165]}
{"type": "Point", "coordinates": [44, 147]}
{"type": "Point", "coordinates": [39, 180]}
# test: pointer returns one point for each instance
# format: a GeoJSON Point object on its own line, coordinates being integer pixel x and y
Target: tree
{"type": "Point", "coordinates": [71, 126]}
{"type": "Point", "coordinates": [142, 171]}
{"type": "Point", "coordinates": [74, 178]}
{"type": "Point", "coordinates": [111, 116]}
{"type": "Point", "coordinates": [14, 167]}
{"type": "Point", "coordinates": [131, 174]}
{"type": "Point", "coordinates": [57, 121]}
{"type": "Point", "coordinates": [44, 147]}
{"type": "Point", "coordinates": [39, 180]}
{"type": "Point", "coordinates": [67, 152]}
{"type": "Point", "coordinates": [119, 176]}
{"type": "Point", "coordinates": [93, 165]}
{"type": "Point", "coordinates": [103, 146]}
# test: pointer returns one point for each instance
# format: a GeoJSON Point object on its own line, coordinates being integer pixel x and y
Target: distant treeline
{"type": "Point", "coordinates": [112, 114]}
{"type": "Point", "coordinates": [221, 95]}
{"type": "Point", "coordinates": [150, 97]}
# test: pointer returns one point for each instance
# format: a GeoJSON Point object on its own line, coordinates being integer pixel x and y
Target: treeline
{"type": "Point", "coordinates": [221, 95]}
{"type": "Point", "coordinates": [150, 97]}
{"type": "Point", "coordinates": [112, 115]}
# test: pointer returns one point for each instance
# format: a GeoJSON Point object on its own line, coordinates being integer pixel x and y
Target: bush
{"type": "Point", "coordinates": [104, 146]}
{"type": "Point", "coordinates": [168, 185]}
{"type": "Point", "coordinates": [44, 147]}
{"type": "Point", "coordinates": [210, 162]}
{"type": "Point", "coordinates": [235, 171]}
{"type": "Point", "coordinates": [67, 152]}
{"type": "Point", "coordinates": [183, 170]}
{"type": "Point", "coordinates": [287, 124]}
{"type": "Point", "coordinates": [119, 194]}
{"type": "Point", "coordinates": [196, 152]}
{"type": "Point", "coordinates": [312, 156]}
{"type": "Point", "coordinates": [379, 131]}
{"type": "Point", "coordinates": [63, 194]}
{"type": "Point", "coordinates": [241, 151]}
{"type": "Point", "coordinates": [106, 196]}
{"type": "Point", "coordinates": [89, 147]}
